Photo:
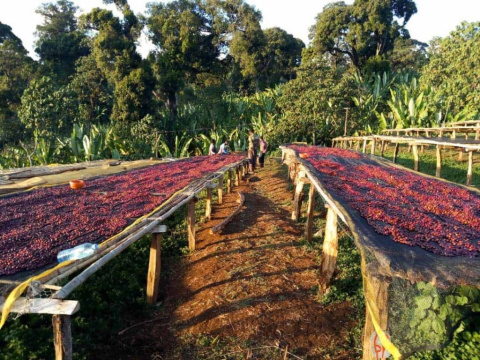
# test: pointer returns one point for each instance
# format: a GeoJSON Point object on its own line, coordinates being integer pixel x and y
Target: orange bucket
{"type": "Point", "coordinates": [77, 184]}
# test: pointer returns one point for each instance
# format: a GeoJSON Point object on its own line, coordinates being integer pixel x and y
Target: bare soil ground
{"type": "Point", "coordinates": [249, 292]}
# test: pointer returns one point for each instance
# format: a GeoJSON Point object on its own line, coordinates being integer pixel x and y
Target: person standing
{"type": "Point", "coordinates": [254, 144]}
{"type": "Point", "coordinates": [212, 150]}
{"type": "Point", "coordinates": [263, 151]}
{"type": "Point", "coordinates": [224, 148]}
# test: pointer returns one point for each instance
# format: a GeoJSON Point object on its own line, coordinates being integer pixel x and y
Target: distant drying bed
{"type": "Point", "coordinates": [36, 225]}
{"type": "Point", "coordinates": [415, 210]}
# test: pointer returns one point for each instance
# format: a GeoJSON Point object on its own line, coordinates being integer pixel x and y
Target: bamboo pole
{"type": "Point", "coordinates": [470, 168]}
{"type": "Point", "coordinates": [372, 150]}
{"type": "Point", "coordinates": [330, 249]}
{"type": "Point", "coordinates": [415, 157]}
{"type": "Point", "coordinates": [154, 268]}
{"type": "Point", "coordinates": [310, 209]}
{"type": "Point", "coordinates": [382, 149]}
{"type": "Point", "coordinates": [62, 337]}
{"type": "Point", "coordinates": [191, 225]}
{"type": "Point", "coordinates": [237, 176]}
{"type": "Point", "coordinates": [364, 149]}
{"type": "Point", "coordinates": [439, 161]}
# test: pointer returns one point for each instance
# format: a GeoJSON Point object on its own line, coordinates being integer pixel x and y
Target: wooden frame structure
{"type": "Point", "coordinates": [463, 145]}
{"type": "Point", "coordinates": [387, 261]}
{"type": "Point", "coordinates": [62, 309]}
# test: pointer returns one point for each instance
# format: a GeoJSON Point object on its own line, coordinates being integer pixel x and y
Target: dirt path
{"type": "Point", "coordinates": [250, 291]}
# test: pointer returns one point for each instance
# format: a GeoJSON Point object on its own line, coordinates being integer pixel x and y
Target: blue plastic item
{"type": "Point", "coordinates": [77, 252]}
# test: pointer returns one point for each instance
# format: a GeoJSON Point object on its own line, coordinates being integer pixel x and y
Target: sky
{"type": "Point", "coordinates": [434, 17]}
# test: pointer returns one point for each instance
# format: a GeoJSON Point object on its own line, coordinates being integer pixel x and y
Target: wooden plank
{"type": "Point", "coordinates": [43, 306]}
{"type": "Point", "coordinates": [439, 161]}
{"type": "Point", "coordinates": [310, 209]}
{"type": "Point", "coordinates": [415, 157]}
{"type": "Point", "coordinates": [297, 200]}
{"type": "Point", "coordinates": [329, 249]}
{"type": "Point", "coordinates": [229, 218]}
{"type": "Point", "coordinates": [395, 152]}
{"type": "Point", "coordinates": [154, 268]}
{"type": "Point", "coordinates": [62, 337]}
{"type": "Point", "coordinates": [191, 225]}
{"type": "Point", "coordinates": [220, 190]}
{"type": "Point", "coordinates": [470, 168]}
{"type": "Point", "coordinates": [208, 205]}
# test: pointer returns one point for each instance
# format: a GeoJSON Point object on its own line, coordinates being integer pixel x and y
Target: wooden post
{"type": "Point", "coordinates": [229, 182]}
{"type": "Point", "coordinates": [470, 168]}
{"type": "Point", "coordinates": [191, 224]}
{"type": "Point", "coordinates": [62, 337]}
{"type": "Point", "coordinates": [364, 150]}
{"type": "Point", "coordinates": [220, 189]}
{"type": "Point", "coordinates": [372, 151]}
{"type": "Point", "coordinates": [297, 199]}
{"type": "Point", "coordinates": [310, 208]}
{"type": "Point", "coordinates": [415, 157]}
{"type": "Point", "coordinates": [382, 149]}
{"type": "Point", "coordinates": [477, 134]}
{"type": "Point", "coordinates": [208, 206]}
{"type": "Point", "coordinates": [330, 249]}
{"type": "Point", "coordinates": [395, 152]}
{"type": "Point", "coordinates": [439, 161]}
{"type": "Point", "coordinates": [154, 268]}
{"type": "Point", "coordinates": [376, 294]}
{"type": "Point", "coordinates": [460, 155]}
{"type": "Point", "coordinates": [237, 176]}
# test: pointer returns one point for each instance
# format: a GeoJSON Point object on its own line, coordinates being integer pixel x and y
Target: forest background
{"type": "Point", "coordinates": [214, 72]}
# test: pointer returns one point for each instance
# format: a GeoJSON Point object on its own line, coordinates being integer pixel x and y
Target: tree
{"type": "Point", "coordinates": [361, 31]}
{"type": "Point", "coordinates": [16, 70]}
{"type": "Point", "coordinates": [452, 71]}
{"type": "Point", "coordinates": [281, 56]}
{"type": "Point", "coordinates": [59, 42]}
{"type": "Point", "coordinates": [47, 109]}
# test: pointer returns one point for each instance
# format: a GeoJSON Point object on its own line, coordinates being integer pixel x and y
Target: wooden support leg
{"type": "Point", "coordinates": [330, 249]}
{"type": "Point", "coordinates": [477, 134]}
{"type": "Point", "coordinates": [297, 200]}
{"type": "Point", "coordinates": [364, 149]}
{"type": "Point", "coordinates": [372, 151]}
{"type": "Point", "coordinates": [310, 207]}
{"type": "Point", "coordinates": [470, 168]}
{"type": "Point", "coordinates": [439, 161]}
{"type": "Point", "coordinates": [62, 337]}
{"type": "Point", "coordinates": [376, 293]}
{"type": "Point", "coordinates": [415, 157]}
{"type": "Point", "coordinates": [460, 155]}
{"type": "Point", "coordinates": [191, 225]}
{"type": "Point", "coordinates": [220, 190]}
{"type": "Point", "coordinates": [422, 149]}
{"type": "Point", "coordinates": [382, 149]}
{"type": "Point", "coordinates": [154, 268]}
{"type": "Point", "coordinates": [208, 206]}
{"type": "Point", "coordinates": [229, 182]}
{"type": "Point", "coordinates": [237, 176]}
{"type": "Point", "coordinates": [395, 152]}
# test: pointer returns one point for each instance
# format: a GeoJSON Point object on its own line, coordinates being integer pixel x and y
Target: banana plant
{"type": "Point", "coordinates": [180, 148]}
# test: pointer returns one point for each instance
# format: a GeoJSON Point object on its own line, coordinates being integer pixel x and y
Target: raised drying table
{"type": "Point", "coordinates": [180, 180]}
{"type": "Point", "coordinates": [399, 250]}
